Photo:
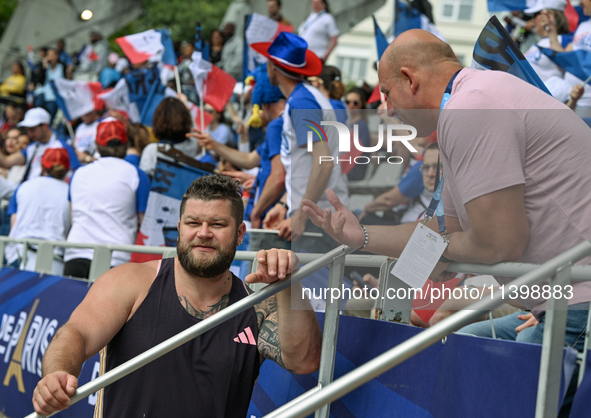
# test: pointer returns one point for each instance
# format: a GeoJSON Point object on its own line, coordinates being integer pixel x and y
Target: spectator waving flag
{"type": "Point", "coordinates": [77, 98]}
{"type": "Point", "coordinates": [117, 99]}
{"type": "Point", "coordinates": [151, 45]}
{"type": "Point", "coordinates": [578, 62]}
{"type": "Point", "coordinates": [259, 28]}
{"type": "Point", "coordinates": [495, 50]}
{"type": "Point", "coordinates": [213, 85]}
{"type": "Point", "coordinates": [408, 18]}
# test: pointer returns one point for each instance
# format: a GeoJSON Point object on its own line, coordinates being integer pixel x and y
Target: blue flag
{"type": "Point", "coordinates": [406, 18]}
{"type": "Point", "coordinates": [506, 5]}
{"type": "Point", "coordinates": [169, 57]}
{"type": "Point", "coordinates": [495, 50]}
{"type": "Point", "coordinates": [145, 91]}
{"type": "Point", "coordinates": [578, 62]}
{"type": "Point", "coordinates": [200, 44]}
{"type": "Point", "coordinates": [381, 41]}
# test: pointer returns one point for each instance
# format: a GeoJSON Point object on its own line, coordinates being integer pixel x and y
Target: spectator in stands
{"type": "Point", "coordinates": [108, 197]}
{"type": "Point", "coordinates": [581, 40]}
{"type": "Point", "coordinates": [38, 65]}
{"type": "Point", "coordinates": [171, 124]}
{"type": "Point", "coordinates": [274, 11]}
{"type": "Point", "coordinates": [13, 114]}
{"type": "Point", "coordinates": [54, 71]}
{"type": "Point", "coordinates": [416, 205]}
{"type": "Point", "coordinates": [109, 76]}
{"type": "Point", "coordinates": [231, 61]}
{"type": "Point", "coordinates": [219, 132]}
{"type": "Point", "coordinates": [216, 43]}
{"type": "Point", "coordinates": [550, 73]}
{"type": "Point", "coordinates": [42, 137]}
{"type": "Point", "coordinates": [92, 59]}
{"type": "Point", "coordinates": [138, 138]}
{"type": "Point", "coordinates": [330, 83]}
{"type": "Point", "coordinates": [13, 175]}
{"type": "Point", "coordinates": [39, 209]}
{"type": "Point", "coordinates": [64, 57]}
{"type": "Point", "coordinates": [187, 82]}
{"type": "Point", "coordinates": [356, 104]}
{"type": "Point", "coordinates": [85, 137]}
{"type": "Point", "coordinates": [320, 30]}
{"type": "Point", "coordinates": [16, 82]}
{"type": "Point", "coordinates": [492, 172]}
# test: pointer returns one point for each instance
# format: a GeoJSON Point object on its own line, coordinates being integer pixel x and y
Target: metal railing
{"type": "Point", "coordinates": [559, 270]}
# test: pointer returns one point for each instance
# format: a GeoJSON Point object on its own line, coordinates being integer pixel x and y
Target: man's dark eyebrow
{"type": "Point", "coordinates": [196, 218]}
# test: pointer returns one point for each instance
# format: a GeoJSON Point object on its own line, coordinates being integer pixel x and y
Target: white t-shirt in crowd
{"type": "Point", "coordinates": [317, 30]}
{"type": "Point", "coordinates": [541, 63]}
{"type": "Point", "coordinates": [85, 137]}
{"type": "Point", "coordinates": [581, 40]}
{"type": "Point", "coordinates": [304, 104]}
{"type": "Point", "coordinates": [106, 197]}
{"type": "Point", "coordinates": [222, 134]}
{"type": "Point", "coordinates": [35, 151]}
{"type": "Point", "coordinates": [150, 153]}
{"type": "Point", "coordinates": [42, 211]}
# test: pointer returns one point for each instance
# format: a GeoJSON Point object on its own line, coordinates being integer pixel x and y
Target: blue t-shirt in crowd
{"type": "Point", "coordinates": [267, 150]}
{"type": "Point", "coordinates": [133, 160]}
{"type": "Point", "coordinates": [340, 110]}
{"type": "Point", "coordinates": [411, 184]}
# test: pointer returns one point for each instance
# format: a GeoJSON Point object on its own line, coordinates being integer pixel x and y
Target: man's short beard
{"type": "Point", "coordinates": [206, 268]}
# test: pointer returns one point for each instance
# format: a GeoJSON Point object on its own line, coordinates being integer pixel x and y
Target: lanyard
{"type": "Point", "coordinates": [436, 205]}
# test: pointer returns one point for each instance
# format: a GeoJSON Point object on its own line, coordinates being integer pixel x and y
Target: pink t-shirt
{"type": "Point", "coordinates": [497, 131]}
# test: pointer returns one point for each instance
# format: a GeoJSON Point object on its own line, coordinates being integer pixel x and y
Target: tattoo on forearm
{"type": "Point", "coordinates": [202, 314]}
{"type": "Point", "coordinates": [268, 343]}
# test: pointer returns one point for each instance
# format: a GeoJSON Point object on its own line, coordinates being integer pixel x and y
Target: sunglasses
{"type": "Point", "coordinates": [208, 110]}
{"type": "Point", "coordinates": [353, 102]}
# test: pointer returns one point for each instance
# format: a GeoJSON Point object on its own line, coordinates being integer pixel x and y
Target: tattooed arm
{"type": "Point", "coordinates": [289, 335]}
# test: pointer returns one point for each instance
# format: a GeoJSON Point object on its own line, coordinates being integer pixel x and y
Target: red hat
{"type": "Point", "coordinates": [53, 156]}
{"type": "Point", "coordinates": [110, 129]}
{"type": "Point", "coordinates": [290, 52]}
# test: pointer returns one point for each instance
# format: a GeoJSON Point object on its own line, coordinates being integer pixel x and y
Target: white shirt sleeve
{"type": "Point", "coordinates": [331, 27]}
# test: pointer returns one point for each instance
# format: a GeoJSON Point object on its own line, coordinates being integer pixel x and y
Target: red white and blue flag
{"type": "Point", "coordinates": [214, 85]}
{"type": "Point", "coordinates": [151, 45]}
{"type": "Point", "coordinates": [259, 28]}
{"type": "Point", "coordinates": [77, 98]}
{"type": "Point", "coordinates": [117, 99]}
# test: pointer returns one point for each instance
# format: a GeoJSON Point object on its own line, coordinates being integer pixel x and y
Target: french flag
{"type": "Point", "coordinates": [196, 115]}
{"type": "Point", "coordinates": [77, 98]}
{"type": "Point", "coordinates": [117, 98]}
{"type": "Point", "coordinates": [88, 54]}
{"type": "Point", "coordinates": [259, 28]}
{"type": "Point", "coordinates": [213, 85]}
{"type": "Point", "coordinates": [151, 45]}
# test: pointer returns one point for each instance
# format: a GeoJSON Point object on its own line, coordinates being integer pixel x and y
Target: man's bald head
{"type": "Point", "coordinates": [416, 49]}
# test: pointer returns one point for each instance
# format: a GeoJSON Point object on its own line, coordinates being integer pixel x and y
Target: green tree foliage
{"type": "Point", "coordinates": [178, 16]}
{"type": "Point", "coordinates": [6, 9]}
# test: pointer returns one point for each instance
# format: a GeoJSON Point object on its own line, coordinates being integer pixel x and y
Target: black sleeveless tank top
{"type": "Point", "coordinates": [211, 376]}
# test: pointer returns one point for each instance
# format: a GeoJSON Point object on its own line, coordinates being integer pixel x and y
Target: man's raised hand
{"type": "Point", "coordinates": [273, 265]}
{"type": "Point", "coordinates": [342, 225]}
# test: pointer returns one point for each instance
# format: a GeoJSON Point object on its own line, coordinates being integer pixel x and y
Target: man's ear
{"type": "Point", "coordinates": [241, 232]}
{"type": "Point", "coordinates": [178, 225]}
{"type": "Point", "coordinates": [409, 78]}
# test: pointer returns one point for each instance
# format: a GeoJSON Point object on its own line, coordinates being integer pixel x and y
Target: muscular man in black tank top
{"type": "Point", "coordinates": [133, 307]}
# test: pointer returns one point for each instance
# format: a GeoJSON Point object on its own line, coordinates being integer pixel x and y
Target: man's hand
{"type": "Point", "coordinates": [576, 92]}
{"type": "Point", "coordinates": [205, 140]}
{"type": "Point", "coordinates": [273, 265]}
{"type": "Point", "coordinates": [342, 226]}
{"type": "Point", "coordinates": [530, 321]}
{"type": "Point", "coordinates": [285, 230]}
{"type": "Point", "coordinates": [53, 392]}
{"type": "Point", "coordinates": [298, 224]}
{"type": "Point", "coordinates": [274, 217]}
{"type": "Point", "coordinates": [440, 275]}
{"type": "Point", "coordinates": [241, 176]}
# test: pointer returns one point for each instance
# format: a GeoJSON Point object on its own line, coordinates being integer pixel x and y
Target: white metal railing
{"type": "Point", "coordinates": [559, 270]}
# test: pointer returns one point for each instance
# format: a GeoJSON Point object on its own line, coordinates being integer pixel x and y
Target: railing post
{"type": "Point", "coordinates": [583, 366]}
{"type": "Point", "coordinates": [553, 348]}
{"type": "Point", "coordinates": [392, 309]}
{"type": "Point", "coordinates": [44, 259]}
{"type": "Point", "coordinates": [331, 331]}
{"type": "Point", "coordinates": [101, 262]}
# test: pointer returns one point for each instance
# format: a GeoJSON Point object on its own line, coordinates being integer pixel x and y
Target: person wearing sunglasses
{"type": "Point", "coordinates": [355, 102]}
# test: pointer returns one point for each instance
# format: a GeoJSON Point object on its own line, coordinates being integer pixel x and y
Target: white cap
{"type": "Point", "coordinates": [546, 4]}
{"type": "Point", "coordinates": [35, 117]}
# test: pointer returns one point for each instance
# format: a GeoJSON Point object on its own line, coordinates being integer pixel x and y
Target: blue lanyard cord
{"type": "Point", "coordinates": [436, 205]}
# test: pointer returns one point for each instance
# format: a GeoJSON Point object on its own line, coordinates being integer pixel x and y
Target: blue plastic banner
{"type": "Point", "coordinates": [33, 307]}
{"type": "Point", "coordinates": [463, 376]}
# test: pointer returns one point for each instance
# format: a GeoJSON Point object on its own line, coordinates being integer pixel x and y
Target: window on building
{"type": "Point", "coordinates": [352, 68]}
{"type": "Point", "coordinates": [454, 10]}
